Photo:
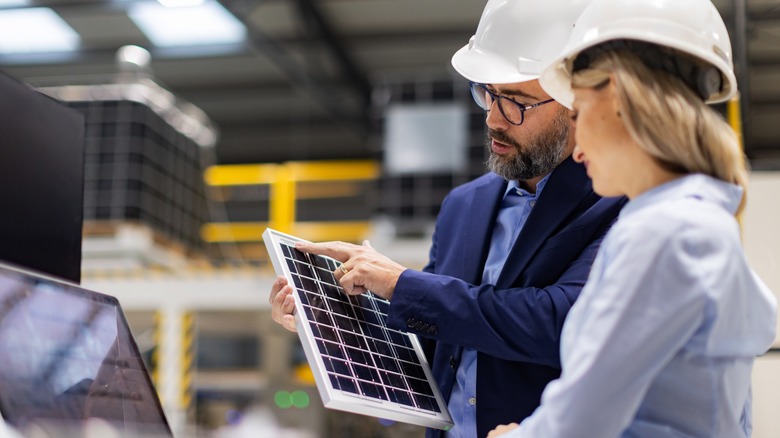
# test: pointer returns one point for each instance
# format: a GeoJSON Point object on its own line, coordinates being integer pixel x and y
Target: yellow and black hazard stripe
{"type": "Point", "coordinates": [154, 362]}
{"type": "Point", "coordinates": [187, 359]}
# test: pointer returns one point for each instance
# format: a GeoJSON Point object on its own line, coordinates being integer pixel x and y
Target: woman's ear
{"type": "Point", "coordinates": [612, 94]}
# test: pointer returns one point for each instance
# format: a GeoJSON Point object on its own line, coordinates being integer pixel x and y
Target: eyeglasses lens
{"type": "Point", "coordinates": [481, 96]}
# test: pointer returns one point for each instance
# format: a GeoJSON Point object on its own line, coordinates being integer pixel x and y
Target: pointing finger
{"type": "Point", "coordinates": [341, 251]}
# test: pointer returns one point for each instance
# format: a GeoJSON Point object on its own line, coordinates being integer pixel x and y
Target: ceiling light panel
{"type": "Point", "coordinates": [35, 30]}
{"type": "Point", "coordinates": [12, 3]}
{"type": "Point", "coordinates": [205, 24]}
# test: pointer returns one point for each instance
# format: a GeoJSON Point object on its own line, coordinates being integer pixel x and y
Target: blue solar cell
{"type": "Point", "coordinates": [412, 370]}
{"type": "Point", "coordinates": [343, 383]}
{"type": "Point", "coordinates": [337, 366]}
{"type": "Point", "coordinates": [420, 386]}
{"type": "Point", "coordinates": [371, 390]}
{"type": "Point", "coordinates": [298, 255]}
{"type": "Point", "coordinates": [304, 269]}
{"type": "Point", "coordinates": [404, 397]}
{"type": "Point", "coordinates": [406, 354]}
{"type": "Point", "coordinates": [367, 373]}
{"type": "Point", "coordinates": [424, 402]}
{"type": "Point", "coordinates": [325, 276]}
{"type": "Point", "coordinates": [334, 292]}
{"type": "Point", "coordinates": [328, 333]}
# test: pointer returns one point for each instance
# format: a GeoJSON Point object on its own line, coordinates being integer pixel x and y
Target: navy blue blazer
{"type": "Point", "coordinates": [515, 325]}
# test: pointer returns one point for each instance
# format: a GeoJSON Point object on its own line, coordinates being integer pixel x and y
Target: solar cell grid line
{"type": "Point", "coordinates": [359, 364]}
{"type": "Point", "coordinates": [363, 365]}
{"type": "Point", "coordinates": [393, 360]}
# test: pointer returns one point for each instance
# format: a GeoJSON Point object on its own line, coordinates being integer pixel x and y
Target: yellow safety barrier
{"type": "Point", "coordinates": [288, 182]}
{"type": "Point", "coordinates": [299, 171]}
{"type": "Point", "coordinates": [316, 231]}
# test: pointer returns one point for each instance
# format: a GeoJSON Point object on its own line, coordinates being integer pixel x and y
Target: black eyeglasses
{"type": "Point", "coordinates": [512, 111]}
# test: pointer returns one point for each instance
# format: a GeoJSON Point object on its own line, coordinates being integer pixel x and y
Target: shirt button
{"type": "Point", "coordinates": [472, 401]}
{"type": "Point", "coordinates": [533, 203]}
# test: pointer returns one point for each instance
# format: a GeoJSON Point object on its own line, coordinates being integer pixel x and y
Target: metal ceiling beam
{"type": "Point", "coordinates": [766, 15]}
{"type": "Point", "coordinates": [764, 61]}
{"type": "Point", "coordinates": [277, 124]}
{"type": "Point", "coordinates": [297, 74]}
{"type": "Point", "coordinates": [320, 28]}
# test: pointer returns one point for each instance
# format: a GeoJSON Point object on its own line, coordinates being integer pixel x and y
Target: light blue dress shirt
{"type": "Point", "coordinates": [662, 339]}
{"type": "Point", "coordinates": [513, 213]}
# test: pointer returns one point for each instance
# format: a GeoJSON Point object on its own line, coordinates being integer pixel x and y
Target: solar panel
{"type": "Point", "coordinates": [359, 364]}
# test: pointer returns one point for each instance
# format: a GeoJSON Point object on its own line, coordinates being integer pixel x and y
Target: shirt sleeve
{"type": "Point", "coordinates": [644, 303]}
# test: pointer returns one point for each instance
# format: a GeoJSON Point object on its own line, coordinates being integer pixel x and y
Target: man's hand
{"type": "Point", "coordinates": [502, 429]}
{"type": "Point", "coordinates": [282, 304]}
{"type": "Point", "coordinates": [362, 267]}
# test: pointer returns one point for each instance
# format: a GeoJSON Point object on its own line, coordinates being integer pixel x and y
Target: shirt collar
{"type": "Point", "coordinates": [512, 185]}
{"type": "Point", "coordinates": [698, 186]}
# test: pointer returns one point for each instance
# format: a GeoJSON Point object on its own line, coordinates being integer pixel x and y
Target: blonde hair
{"type": "Point", "coordinates": [668, 119]}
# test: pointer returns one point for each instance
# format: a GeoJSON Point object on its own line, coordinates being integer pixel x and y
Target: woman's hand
{"type": "Point", "coordinates": [502, 429]}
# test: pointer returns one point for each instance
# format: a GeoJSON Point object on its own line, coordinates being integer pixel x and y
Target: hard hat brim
{"type": "Point", "coordinates": [487, 68]}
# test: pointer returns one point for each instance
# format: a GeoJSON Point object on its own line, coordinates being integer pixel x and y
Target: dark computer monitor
{"type": "Point", "coordinates": [67, 355]}
{"type": "Point", "coordinates": [41, 181]}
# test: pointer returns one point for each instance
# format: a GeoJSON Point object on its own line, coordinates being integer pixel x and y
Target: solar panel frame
{"type": "Point", "coordinates": [379, 371]}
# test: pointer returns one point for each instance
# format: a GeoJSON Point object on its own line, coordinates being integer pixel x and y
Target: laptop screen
{"type": "Point", "coordinates": [67, 355]}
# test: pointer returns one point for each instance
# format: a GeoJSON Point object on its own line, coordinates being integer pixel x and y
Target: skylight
{"type": "Point", "coordinates": [12, 3]}
{"type": "Point", "coordinates": [179, 3]}
{"type": "Point", "coordinates": [208, 23]}
{"type": "Point", "coordinates": [35, 30]}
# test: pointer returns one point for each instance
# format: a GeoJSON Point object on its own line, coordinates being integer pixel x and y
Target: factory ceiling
{"type": "Point", "coordinates": [301, 83]}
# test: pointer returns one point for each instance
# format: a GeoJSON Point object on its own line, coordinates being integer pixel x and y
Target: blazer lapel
{"type": "Point", "coordinates": [486, 198]}
{"type": "Point", "coordinates": [567, 186]}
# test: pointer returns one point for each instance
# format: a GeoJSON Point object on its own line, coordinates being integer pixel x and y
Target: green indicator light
{"type": "Point", "coordinates": [300, 399]}
{"type": "Point", "coordinates": [283, 399]}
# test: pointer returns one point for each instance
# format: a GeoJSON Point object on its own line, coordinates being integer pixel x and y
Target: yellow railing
{"type": "Point", "coordinates": [734, 116]}
{"type": "Point", "coordinates": [289, 182]}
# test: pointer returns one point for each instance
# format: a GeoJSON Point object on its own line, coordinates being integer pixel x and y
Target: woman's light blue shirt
{"type": "Point", "coordinates": [662, 340]}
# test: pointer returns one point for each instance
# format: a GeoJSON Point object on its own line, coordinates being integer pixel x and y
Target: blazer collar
{"type": "Point", "coordinates": [481, 220]}
{"type": "Point", "coordinates": [567, 186]}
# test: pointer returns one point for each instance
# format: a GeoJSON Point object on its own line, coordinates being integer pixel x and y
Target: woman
{"type": "Point", "coordinates": [662, 340]}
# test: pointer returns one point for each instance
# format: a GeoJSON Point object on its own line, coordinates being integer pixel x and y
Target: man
{"type": "Point", "coordinates": [512, 249]}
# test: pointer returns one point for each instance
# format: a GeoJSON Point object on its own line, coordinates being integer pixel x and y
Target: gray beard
{"type": "Point", "coordinates": [536, 158]}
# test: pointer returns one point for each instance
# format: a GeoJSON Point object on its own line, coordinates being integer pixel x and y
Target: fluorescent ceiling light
{"type": "Point", "coordinates": [12, 3]}
{"type": "Point", "coordinates": [35, 30]}
{"type": "Point", "coordinates": [180, 3]}
{"type": "Point", "coordinates": [208, 23]}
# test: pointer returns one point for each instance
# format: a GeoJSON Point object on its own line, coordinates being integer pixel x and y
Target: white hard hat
{"type": "Point", "coordinates": [516, 39]}
{"type": "Point", "coordinates": [693, 27]}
